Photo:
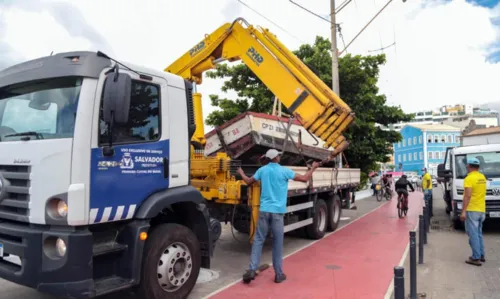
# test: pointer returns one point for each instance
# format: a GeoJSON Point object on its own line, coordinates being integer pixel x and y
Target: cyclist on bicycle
{"type": "Point", "coordinates": [401, 187]}
{"type": "Point", "coordinates": [386, 183]}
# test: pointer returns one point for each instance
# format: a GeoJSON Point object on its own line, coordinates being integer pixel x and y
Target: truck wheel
{"type": "Point", "coordinates": [317, 229]}
{"type": "Point", "coordinates": [216, 229]}
{"type": "Point", "coordinates": [242, 226]}
{"type": "Point", "coordinates": [334, 212]}
{"type": "Point", "coordinates": [171, 263]}
{"type": "Point", "coordinates": [458, 225]}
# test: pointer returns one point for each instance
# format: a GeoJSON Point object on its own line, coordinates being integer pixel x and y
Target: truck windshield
{"type": "Point", "coordinates": [490, 164]}
{"type": "Point", "coordinates": [39, 109]}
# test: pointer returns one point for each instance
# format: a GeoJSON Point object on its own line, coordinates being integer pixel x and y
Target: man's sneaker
{"type": "Point", "coordinates": [483, 260]}
{"type": "Point", "coordinates": [279, 278]}
{"type": "Point", "coordinates": [248, 276]}
{"type": "Point", "coordinates": [474, 262]}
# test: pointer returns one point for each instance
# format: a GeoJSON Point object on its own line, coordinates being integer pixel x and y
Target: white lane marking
{"type": "Point", "coordinates": [302, 248]}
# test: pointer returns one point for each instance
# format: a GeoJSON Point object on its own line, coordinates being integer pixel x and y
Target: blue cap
{"type": "Point", "coordinates": [473, 161]}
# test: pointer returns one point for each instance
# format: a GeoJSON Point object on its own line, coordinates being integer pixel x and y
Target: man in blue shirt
{"type": "Point", "coordinates": [274, 190]}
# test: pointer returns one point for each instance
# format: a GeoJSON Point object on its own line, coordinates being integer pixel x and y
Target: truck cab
{"type": "Point", "coordinates": [453, 171]}
{"type": "Point", "coordinates": [95, 191]}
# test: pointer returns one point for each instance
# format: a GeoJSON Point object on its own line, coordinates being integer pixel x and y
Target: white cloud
{"type": "Point", "coordinates": [439, 57]}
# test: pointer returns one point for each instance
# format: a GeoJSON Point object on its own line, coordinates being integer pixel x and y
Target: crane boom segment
{"type": "Point", "coordinates": [309, 99]}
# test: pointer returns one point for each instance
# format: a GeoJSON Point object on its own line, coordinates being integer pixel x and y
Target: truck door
{"type": "Point", "coordinates": [139, 165]}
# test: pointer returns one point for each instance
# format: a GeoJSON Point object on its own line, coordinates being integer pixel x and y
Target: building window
{"type": "Point", "coordinates": [409, 157]}
{"type": "Point", "coordinates": [431, 155]}
{"type": "Point", "coordinates": [414, 140]}
{"type": "Point", "coordinates": [456, 139]}
{"type": "Point", "coordinates": [420, 139]}
{"type": "Point", "coordinates": [421, 154]}
{"type": "Point", "coordinates": [415, 156]}
{"type": "Point", "coordinates": [443, 138]}
{"type": "Point", "coordinates": [144, 121]}
{"type": "Point", "coordinates": [436, 138]}
{"type": "Point", "coordinates": [450, 139]}
{"type": "Point", "coordinates": [404, 157]}
{"type": "Point", "coordinates": [409, 141]}
{"type": "Point", "coordinates": [399, 158]}
{"type": "Point", "coordinates": [404, 142]}
{"type": "Point", "coordinates": [436, 155]}
{"type": "Point", "coordinates": [399, 144]}
{"type": "Point", "coordinates": [429, 138]}
{"type": "Point", "coordinates": [443, 155]}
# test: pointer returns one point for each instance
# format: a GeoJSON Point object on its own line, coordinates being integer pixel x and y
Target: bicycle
{"type": "Point", "coordinates": [387, 193]}
{"type": "Point", "coordinates": [378, 192]}
{"type": "Point", "coordinates": [402, 206]}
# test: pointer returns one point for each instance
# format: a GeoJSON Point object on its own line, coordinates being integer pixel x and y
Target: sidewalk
{"type": "Point", "coordinates": [353, 263]}
{"type": "Point", "coordinates": [444, 274]}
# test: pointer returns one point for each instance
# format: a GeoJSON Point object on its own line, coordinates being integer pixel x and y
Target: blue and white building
{"type": "Point", "coordinates": [424, 146]}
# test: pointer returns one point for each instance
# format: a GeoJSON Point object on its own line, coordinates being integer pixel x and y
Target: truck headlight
{"type": "Point", "coordinates": [57, 208]}
{"type": "Point", "coordinates": [54, 247]}
{"type": "Point", "coordinates": [61, 247]}
{"type": "Point", "coordinates": [62, 208]}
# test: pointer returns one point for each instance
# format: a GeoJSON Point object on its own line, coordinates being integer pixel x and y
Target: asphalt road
{"type": "Point", "coordinates": [230, 260]}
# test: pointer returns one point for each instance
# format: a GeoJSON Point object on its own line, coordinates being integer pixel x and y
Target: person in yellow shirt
{"type": "Point", "coordinates": [474, 210]}
{"type": "Point", "coordinates": [427, 185]}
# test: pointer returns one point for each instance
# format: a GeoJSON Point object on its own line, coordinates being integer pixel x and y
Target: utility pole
{"type": "Point", "coordinates": [335, 60]}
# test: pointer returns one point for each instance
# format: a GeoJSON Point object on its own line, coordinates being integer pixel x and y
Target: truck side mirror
{"type": "Point", "coordinates": [116, 98]}
{"type": "Point", "coordinates": [443, 172]}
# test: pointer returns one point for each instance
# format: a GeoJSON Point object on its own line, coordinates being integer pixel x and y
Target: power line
{"type": "Point", "coordinates": [383, 48]}
{"type": "Point", "coordinates": [272, 22]}
{"type": "Point", "coordinates": [368, 24]}
{"type": "Point", "coordinates": [342, 6]}
{"type": "Point", "coordinates": [339, 29]}
{"type": "Point", "coordinates": [311, 12]}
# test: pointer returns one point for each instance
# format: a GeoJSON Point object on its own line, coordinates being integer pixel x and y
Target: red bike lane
{"type": "Point", "coordinates": [355, 262]}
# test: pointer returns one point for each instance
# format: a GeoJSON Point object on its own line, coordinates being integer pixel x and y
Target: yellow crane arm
{"type": "Point", "coordinates": [311, 101]}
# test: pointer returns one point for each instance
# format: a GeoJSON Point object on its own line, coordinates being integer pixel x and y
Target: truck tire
{"type": "Point", "coordinates": [216, 229]}
{"type": "Point", "coordinates": [317, 229]}
{"type": "Point", "coordinates": [458, 225]}
{"type": "Point", "coordinates": [171, 263]}
{"type": "Point", "coordinates": [242, 226]}
{"type": "Point", "coordinates": [334, 212]}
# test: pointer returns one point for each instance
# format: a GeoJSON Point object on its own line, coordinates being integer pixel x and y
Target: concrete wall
{"type": "Point", "coordinates": [481, 139]}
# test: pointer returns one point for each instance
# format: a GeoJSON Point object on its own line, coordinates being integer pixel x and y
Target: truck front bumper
{"type": "Point", "coordinates": [69, 276]}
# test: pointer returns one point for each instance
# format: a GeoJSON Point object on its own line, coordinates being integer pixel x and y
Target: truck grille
{"type": "Point", "coordinates": [15, 206]}
{"type": "Point", "coordinates": [489, 192]}
{"type": "Point", "coordinates": [493, 205]}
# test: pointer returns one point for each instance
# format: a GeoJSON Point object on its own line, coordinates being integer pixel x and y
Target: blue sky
{"type": "Point", "coordinates": [485, 3]}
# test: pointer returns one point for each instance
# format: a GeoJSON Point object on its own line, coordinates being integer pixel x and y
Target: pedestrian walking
{"type": "Point", "coordinates": [427, 186]}
{"type": "Point", "coordinates": [274, 189]}
{"type": "Point", "coordinates": [375, 180]}
{"type": "Point", "coordinates": [474, 210]}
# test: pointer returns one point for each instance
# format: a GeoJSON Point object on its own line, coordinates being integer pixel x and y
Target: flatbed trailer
{"type": "Point", "coordinates": [313, 208]}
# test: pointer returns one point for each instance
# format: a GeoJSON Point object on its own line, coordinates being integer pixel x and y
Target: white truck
{"type": "Point", "coordinates": [453, 172]}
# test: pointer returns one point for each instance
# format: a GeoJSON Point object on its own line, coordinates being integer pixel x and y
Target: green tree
{"type": "Point", "coordinates": [358, 88]}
